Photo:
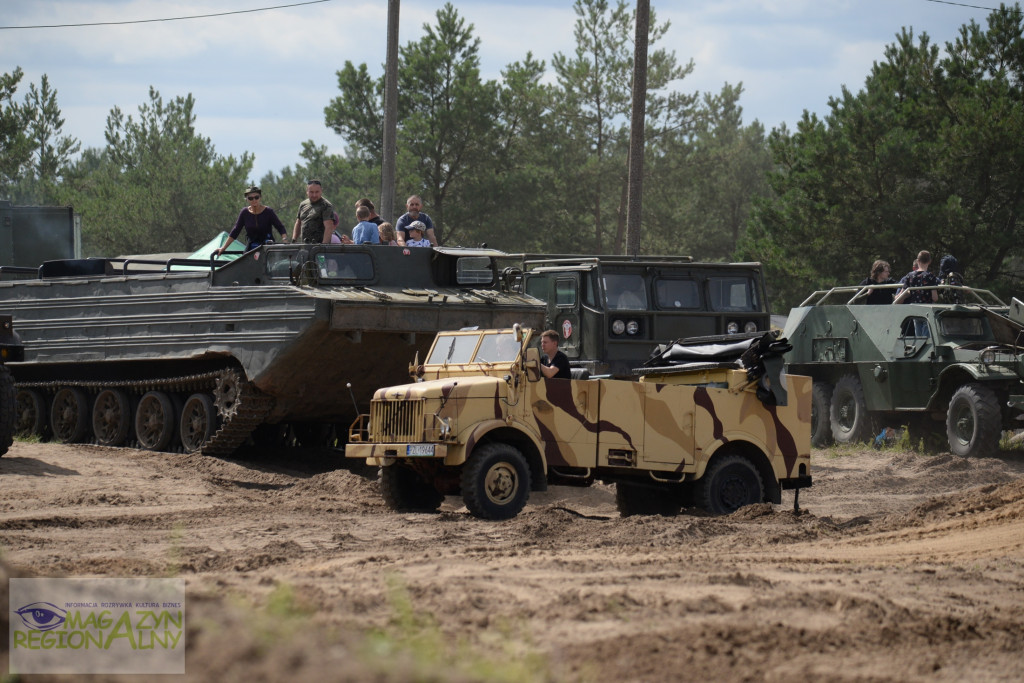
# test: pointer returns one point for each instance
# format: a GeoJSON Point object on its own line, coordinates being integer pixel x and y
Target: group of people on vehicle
{"type": "Point", "coordinates": [316, 222]}
{"type": "Point", "coordinates": [914, 286]}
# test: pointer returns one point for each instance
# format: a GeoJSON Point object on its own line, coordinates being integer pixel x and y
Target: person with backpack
{"type": "Point", "coordinates": [949, 274]}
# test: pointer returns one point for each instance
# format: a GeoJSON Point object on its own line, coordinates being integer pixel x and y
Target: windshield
{"type": "Point", "coordinates": [496, 346]}
{"type": "Point", "coordinates": [499, 347]}
{"type": "Point", "coordinates": [625, 292]}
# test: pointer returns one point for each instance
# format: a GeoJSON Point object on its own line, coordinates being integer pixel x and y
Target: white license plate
{"type": "Point", "coordinates": [420, 449]}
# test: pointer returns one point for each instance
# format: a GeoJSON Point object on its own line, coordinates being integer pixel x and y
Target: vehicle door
{"type": "Point", "coordinates": [562, 292]}
{"type": "Point", "coordinates": [912, 369]}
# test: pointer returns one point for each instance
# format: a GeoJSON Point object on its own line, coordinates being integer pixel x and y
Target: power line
{"type": "Point", "coordinates": [960, 4]}
{"type": "Point", "coordinates": [150, 21]}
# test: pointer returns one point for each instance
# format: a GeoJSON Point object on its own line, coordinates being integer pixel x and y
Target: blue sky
{"type": "Point", "coordinates": [261, 80]}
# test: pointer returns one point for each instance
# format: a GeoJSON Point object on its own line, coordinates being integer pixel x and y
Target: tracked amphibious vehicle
{"type": "Point", "coordinates": [197, 355]}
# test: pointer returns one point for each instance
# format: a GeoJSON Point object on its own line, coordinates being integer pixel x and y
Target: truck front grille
{"type": "Point", "coordinates": [396, 421]}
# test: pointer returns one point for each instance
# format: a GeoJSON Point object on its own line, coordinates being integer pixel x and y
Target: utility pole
{"type": "Point", "coordinates": [386, 209]}
{"type": "Point", "coordinates": [635, 182]}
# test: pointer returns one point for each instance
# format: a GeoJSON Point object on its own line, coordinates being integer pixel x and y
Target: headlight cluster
{"type": "Point", "coordinates": [734, 327]}
{"type": "Point", "coordinates": [988, 356]}
{"type": "Point", "coordinates": [630, 327]}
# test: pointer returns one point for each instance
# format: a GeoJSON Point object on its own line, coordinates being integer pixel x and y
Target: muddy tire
{"type": "Point", "coordinates": [973, 421]}
{"type": "Point", "coordinates": [69, 415]}
{"type": "Point", "coordinates": [496, 482]}
{"type": "Point", "coordinates": [155, 421]}
{"type": "Point", "coordinates": [636, 499]}
{"type": "Point", "coordinates": [821, 427]}
{"type": "Point", "coordinates": [848, 414]}
{"type": "Point", "coordinates": [112, 417]}
{"type": "Point", "coordinates": [729, 483]}
{"type": "Point", "coordinates": [404, 490]}
{"type": "Point", "coordinates": [8, 410]}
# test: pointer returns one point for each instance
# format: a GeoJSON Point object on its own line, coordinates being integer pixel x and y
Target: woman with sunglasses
{"type": "Point", "coordinates": [258, 220]}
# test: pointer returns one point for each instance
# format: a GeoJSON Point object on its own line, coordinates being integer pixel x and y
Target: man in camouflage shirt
{"type": "Point", "coordinates": [315, 221]}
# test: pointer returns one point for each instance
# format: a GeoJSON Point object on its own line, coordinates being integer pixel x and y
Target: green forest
{"type": "Point", "coordinates": [928, 154]}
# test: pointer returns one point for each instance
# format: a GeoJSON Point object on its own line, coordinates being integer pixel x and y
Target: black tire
{"type": "Point", "coordinates": [821, 425]}
{"type": "Point", "coordinates": [69, 415]}
{"type": "Point", "coordinates": [848, 414]}
{"type": "Point", "coordinates": [8, 410]}
{"type": "Point", "coordinates": [637, 499]}
{"type": "Point", "coordinates": [973, 421]}
{"type": "Point", "coordinates": [155, 421]}
{"type": "Point", "coordinates": [198, 422]}
{"type": "Point", "coordinates": [33, 414]}
{"type": "Point", "coordinates": [496, 482]}
{"type": "Point", "coordinates": [730, 482]}
{"type": "Point", "coordinates": [404, 490]}
{"type": "Point", "coordinates": [112, 417]}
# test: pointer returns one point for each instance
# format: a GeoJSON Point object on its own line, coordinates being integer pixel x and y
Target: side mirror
{"type": "Point", "coordinates": [532, 364]}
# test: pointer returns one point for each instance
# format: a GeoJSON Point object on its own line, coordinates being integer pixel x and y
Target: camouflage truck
{"type": "Point", "coordinates": [611, 309]}
{"type": "Point", "coordinates": [185, 354]}
{"type": "Point", "coordinates": [951, 373]}
{"type": "Point", "coordinates": [481, 421]}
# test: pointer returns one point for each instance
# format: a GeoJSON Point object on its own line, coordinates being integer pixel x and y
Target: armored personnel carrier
{"type": "Point", "coordinates": [951, 373]}
{"type": "Point", "coordinates": [197, 355]}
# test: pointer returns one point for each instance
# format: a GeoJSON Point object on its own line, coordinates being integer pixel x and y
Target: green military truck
{"type": "Point", "coordinates": [610, 310]}
{"type": "Point", "coordinates": [950, 372]}
{"type": "Point", "coordinates": [481, 421]}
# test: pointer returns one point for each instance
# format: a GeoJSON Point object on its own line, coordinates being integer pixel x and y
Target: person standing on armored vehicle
{"type": "Point", "coordinates": [919, 278]}
{"type": "Point", "coordinates": [315, 222]}
{"type": "Point", "coordinates": [258, 220]}
{"type": "Point", "coordinates": [414, 204]}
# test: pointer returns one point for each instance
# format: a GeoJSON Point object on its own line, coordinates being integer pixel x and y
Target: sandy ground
{"type": "Point", "coordinates": [901, 567]}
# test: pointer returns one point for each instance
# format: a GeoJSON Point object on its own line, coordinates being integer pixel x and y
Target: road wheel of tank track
{"type": "Point", "coordinates": [496, 482]}
{"type": "Point", "coordinates": [155, 421]}
{"type": "Point", "coordinates": [849, 413]}
{"type": "Point", "coordinates": [112, 417]}
{"type": "Point", "coordinates": [636, 499]}
{"type": "Point", "coordinates": [227, 393]}
{"type": "Point", "coordinates": [973, 421]}
{"type": "Point", "coordinates": [198, 422]}
{"type": "Point", "coordinates": [821, 425]}
{"type": "Point", "coordinates": [8, 410]}
{"type": "Point", "coordinates": [404, 490]}
{"type": "Point", "coordinates": [32, 414]}
{"type": "Point", "coordinates": [729, 483]}
{"type": "Point", "coordinates": [69, 415]}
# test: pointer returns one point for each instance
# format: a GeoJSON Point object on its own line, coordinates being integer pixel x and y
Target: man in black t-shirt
{"type": "Point", "coordinates": [554, 364]}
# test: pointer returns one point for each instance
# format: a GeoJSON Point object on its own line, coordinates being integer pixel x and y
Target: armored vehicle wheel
{"type": "Point", "coordinates": [198, 422]}
{"type": "Point", "coordinates": [8, 410]}
{"type": "Point", "coordinates": [635, 499]}
{"type": "Point", "coordinates": [973, 421]}
{"type": "Point", "coordinates": [849, 412]}
{"type": "Point", "coordinates": [229, 389]}
{"type": "Point", "coordinates": [729, 483]}
{"type": "Point", "coordinates": [821, 426]}
{"type": "Point", "coordinates": [496, 482]}
{"type": "Point", "coordinates": [112, 417]}
{"type": "Point", "coordinates": [69, 415]}
{"type": "Point", "coordinates": [33, 414]}
{"type": "Point", "coordinates": [155, 421]}
{"type": "Point", "coordinates": [404, 490]}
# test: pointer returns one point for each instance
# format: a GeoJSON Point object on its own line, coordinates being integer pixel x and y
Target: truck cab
{"type": "Point", "coordinates": [610, 310]}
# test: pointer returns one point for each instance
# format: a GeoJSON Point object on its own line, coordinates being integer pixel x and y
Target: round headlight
{"type": "Point", "coordinates": [988, 356]}
{"type": "Point", "coordinates": [632, 327]}
{"type": "Point", "coordinates": [750, 327]}
{"type": "Point", "coordinates": [618, 327]}
{"type": "Point", "coordinates": [732, 328]}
